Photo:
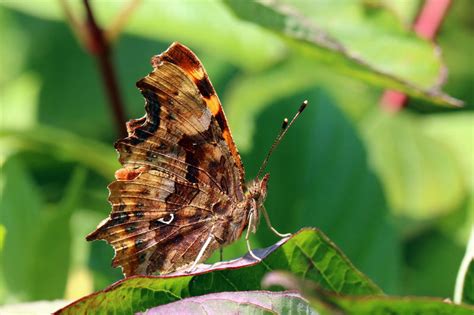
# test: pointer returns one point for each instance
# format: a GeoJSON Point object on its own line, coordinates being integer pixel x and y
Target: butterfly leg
{"type": "Point", "coordinates": [251, 218]}
{"type": "Point", "coordinates": [201, 252]}
{"type": "Point", "coordinates": [267, 219]}
{"type": "Point", "coordinates": [221, 253]}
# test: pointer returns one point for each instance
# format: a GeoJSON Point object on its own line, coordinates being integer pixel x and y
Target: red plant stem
{"type": "Point", "coordinates": [99, 47]}
{"type": "Point", "coordinates": [426, 25]}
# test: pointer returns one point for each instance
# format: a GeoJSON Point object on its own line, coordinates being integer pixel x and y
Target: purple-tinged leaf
{"type": "Point", "coordinates": [248, 302]}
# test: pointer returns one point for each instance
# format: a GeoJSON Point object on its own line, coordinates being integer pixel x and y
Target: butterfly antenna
{"type": "Point", "coordinates": [284, 128]}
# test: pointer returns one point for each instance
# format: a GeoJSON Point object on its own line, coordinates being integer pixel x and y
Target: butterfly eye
{"type": "Point", "coordinates": [167, 219]}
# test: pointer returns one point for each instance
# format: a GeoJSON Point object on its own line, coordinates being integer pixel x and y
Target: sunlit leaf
{"type": "Point", "coordinates": [20, 206]}
{"type": "Point", "coordinates": [407, 63]}
{"type": "Point", "coordinates": [49, 274]}
{"type": "Point", "coordinates": [35, 258]}
{"type": "Point", "coordinates": [423, 179]}
{"type": "Point", "coordinates": [454, 131]}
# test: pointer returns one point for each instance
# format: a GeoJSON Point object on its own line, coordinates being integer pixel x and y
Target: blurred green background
{"type": "Point", "coordinates": [395, 191]}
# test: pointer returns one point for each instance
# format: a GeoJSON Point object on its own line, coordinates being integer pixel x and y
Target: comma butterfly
{"type": "Point", "coordinates": [180, 194]}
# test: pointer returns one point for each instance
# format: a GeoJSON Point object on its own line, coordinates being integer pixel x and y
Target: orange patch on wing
{"type": "Point", "coordinates": [213, 104]}
{"type": "Point", "coordinates": [129, 174]}
{"type": "Point", "coordinates": [228, 138]}
{"type": "Point", "coordinates": [197, 73]}
{"type": "Point", "coordinates": [184, 58]}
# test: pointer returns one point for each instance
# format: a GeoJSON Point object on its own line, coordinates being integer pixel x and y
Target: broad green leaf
{"type": "Point", "coordinates": [308, 254]}
{"type": "Point", "coordinates": [20, 206]}
{"type": "Point", "coordinates": [63, 145]}
{"type": "Point", "coordinates": [35, 259]}
{"type": "Point", "coordinates": [48, 276]}
{"type": "Point", "coordinates": [327, 302]}
{"type": "Point", "coordinates": [422, 178]}
{"type": "Point", "coordinates": [249, 302]}
{"type": "Point", "coordinates": [319, 176]}
{"type": "Point", "coordinates": [348, 44]}
{"type": "Point", "coordinates": [454, 132]}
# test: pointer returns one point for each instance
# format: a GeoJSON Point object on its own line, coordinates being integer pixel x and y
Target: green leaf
{"type": "Point", "coordinates": [249, 302]}
{"type": "Point", "coordinates": [36, 256]}
{"type": "Point", "coordinates": [48, 276]}
{"type": "Point", "coordinates": [327, 302]}
{"type": "Point", "coordinates": [348, 44]}
{"type": "Point", "coordinates": [454, 133]}
{"type": "Point", "coordinates": [423, 179]}
{"type": "Point", "coordinates": [308, 254]}
{"type": "Point", "coordinates": [20, 206]}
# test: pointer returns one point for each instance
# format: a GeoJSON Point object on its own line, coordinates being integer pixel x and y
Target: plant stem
{"type": "Point", "coordinates": [99, 47]}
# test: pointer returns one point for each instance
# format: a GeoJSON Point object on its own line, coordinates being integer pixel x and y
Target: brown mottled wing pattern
{"type": "Point", "coordinates": [181, 172]}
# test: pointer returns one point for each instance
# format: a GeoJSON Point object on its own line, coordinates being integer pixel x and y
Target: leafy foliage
{"type": "Point", "coordinates": [308, 254]}
{"type": "Point", "coordinates": [347, 50]}
{"type": "Point", "coordinates": [394, 191]}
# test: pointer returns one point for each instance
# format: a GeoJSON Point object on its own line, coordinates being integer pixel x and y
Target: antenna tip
{"type": "Point", "coordinates": [303, 106]}
{"type": "Point", "coordinates": [284, 124]}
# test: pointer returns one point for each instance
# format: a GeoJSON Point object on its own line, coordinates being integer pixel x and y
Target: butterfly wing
{"type": "Point", "coordinates": [181, 172]}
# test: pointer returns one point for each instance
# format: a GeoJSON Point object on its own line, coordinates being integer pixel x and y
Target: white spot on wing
{"type": "Point", "coordinates": [162, 220]}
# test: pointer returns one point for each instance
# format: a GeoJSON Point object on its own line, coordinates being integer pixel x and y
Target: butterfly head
{"type": "Point", "coordinates": [256, 194]}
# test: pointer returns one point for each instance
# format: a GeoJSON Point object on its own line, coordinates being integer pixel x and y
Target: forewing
{"type": "Point", "coordinates": [180, 133]}
{"type": "Point", "coordinates": [179, 163]}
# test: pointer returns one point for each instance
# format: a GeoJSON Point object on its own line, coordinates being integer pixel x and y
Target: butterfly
{"type": "Point", "coordinates": [180, 194]}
